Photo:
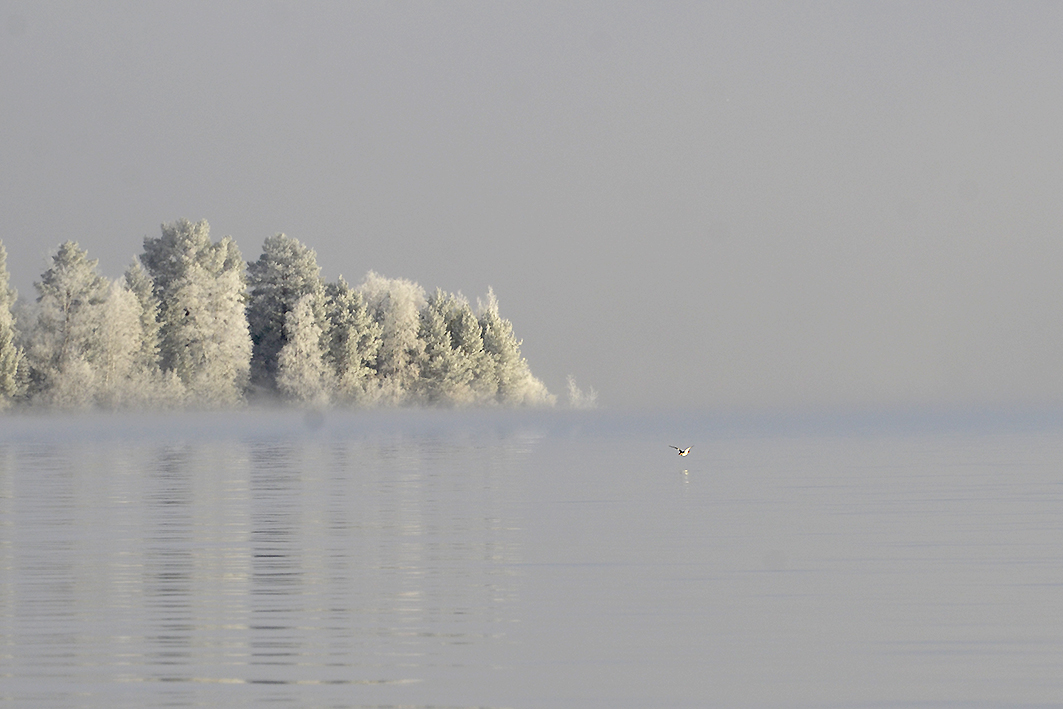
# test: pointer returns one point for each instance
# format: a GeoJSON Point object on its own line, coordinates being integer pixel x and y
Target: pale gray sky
{"type": "Point", "coordinates": [682, 204]}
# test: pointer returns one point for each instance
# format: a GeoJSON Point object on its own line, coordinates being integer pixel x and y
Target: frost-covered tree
{"type": "Point", "coordinates": [139, 283]}
{"type": "Point", "coordinates": [473, 367]}
{"type": "Point", "coordinates": [352, 343]}
{"type": "Point", "coordinates": [85, 341]}
{"type": "Point", "coordinates": [204, 336]}
{"type": "Point", "coordinates": [176, 330]}
{"type": "Point", "coordinates": [11, 383]}
{"type": "Point", "coordinates": [118, 344]}
{"type": "Point", "coordinates": [64, 345]}
{"type": "Point", "coordinates": [395, 304]}
{"type": "Point", "coordinates": [515, 383]}
{"type": "Point", "coordinates": [445, 375]}
{"type": "Point", "coordinates": [302, 375]}
{"type": "Point", "coordinates": [579, 399]}
{"type": "Point", "coordinates": [144, 383]}
{"type": "Point", "coordinates": [286, 271]}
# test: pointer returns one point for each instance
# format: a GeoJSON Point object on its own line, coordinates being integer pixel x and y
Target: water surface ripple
{"type": "Point", "coordinates": [505, 560]}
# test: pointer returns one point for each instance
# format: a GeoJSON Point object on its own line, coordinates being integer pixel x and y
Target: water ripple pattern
{"type": "Point", "coordinates": [507, 560]}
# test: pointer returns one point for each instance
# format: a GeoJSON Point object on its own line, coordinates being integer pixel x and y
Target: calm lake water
{"type": "Point", "coordinates": [528, 560]}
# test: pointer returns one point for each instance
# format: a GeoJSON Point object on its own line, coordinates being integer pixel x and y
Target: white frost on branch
{"type": "Point", "coordinates": [579, 399]}
{"type": "Point", "coordinates": [184, 327]}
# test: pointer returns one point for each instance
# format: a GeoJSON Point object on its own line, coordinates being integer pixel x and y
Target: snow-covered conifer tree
{"type": "Point", "coordinates": [204, 336]}
{"type": "Point", "coordinates": [444, 372]}
{"type": "Point", "coordinates": [395, 305]}
{"type": "Point", "coordinates": [302, 375]}
{"type": "Point", "coordinates": [63, 344]}
{"type": "Point", "coordinates": [286, 271]}
{"type": "Point", "coordinates": [474, 369]}
{"type": "Point", "coordinates": [139, 283]}
{"type": "Point", "coordinates": [352, 342]}
{"type": "Point", "coordinates": [515, 382]}
{"type": "Point", "coordinates": [10, 354]}
{"type": "Point", "coordinates": [148, 384]}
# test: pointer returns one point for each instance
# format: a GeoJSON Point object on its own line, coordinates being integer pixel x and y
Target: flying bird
{"type": "Point", "coordinates": [682, 451]}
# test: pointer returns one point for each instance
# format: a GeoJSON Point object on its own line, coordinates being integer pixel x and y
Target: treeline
{"type": "Point", "coordinates": [192, 324]}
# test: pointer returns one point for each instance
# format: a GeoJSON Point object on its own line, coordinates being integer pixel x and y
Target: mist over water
{"type": "Point", "coordinates": [534, 559]}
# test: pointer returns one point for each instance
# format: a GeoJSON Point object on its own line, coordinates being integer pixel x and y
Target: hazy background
{"type": "Point", "coordinates": [683, 204]}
